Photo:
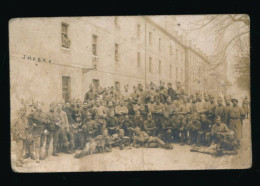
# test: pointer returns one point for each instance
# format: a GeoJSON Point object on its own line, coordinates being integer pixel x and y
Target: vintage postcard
{"type": "Point", "coordinates": [130, 93]}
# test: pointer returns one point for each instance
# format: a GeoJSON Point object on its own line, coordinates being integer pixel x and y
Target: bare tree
{"type": "Point", "coordinates": [229, 34]}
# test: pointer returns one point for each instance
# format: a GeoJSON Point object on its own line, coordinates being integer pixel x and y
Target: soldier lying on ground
{"type": "Point", "coordinates": [99, 144]}
{"type": "Point", "coordinates": [120, 140]}
{"type": "Point", "coordinates": [142, 139]}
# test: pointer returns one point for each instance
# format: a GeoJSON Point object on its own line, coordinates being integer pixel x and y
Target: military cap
{"type": "Point", "coordinates": [219, 99]}
{"type": "Point", "coordinates": [234, 99]}
{"type": "Point", "coordinates": [218, 118]}
{"type": "Point", "coordinates": [178, 93]}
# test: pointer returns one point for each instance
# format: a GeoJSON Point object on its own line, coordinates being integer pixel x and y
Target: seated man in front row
{"type": "Point", "coordinates": [224, 141]}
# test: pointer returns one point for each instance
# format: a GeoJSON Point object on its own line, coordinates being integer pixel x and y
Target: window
{"type": "Point", "coordinates": [138, 59]}
{"type": "Point", "coordinates": [117, 85]}
{"type": "Point", "coordinates": [171, 50]}
{"type": "Point", "coordinates": [170, 71]}
{"type": "Point", "coordinates": [116, 21]}
{"type": "Point", "coordinates": [160, 67]}
{"type": "Point", "coordinates": [150, 64]}
{"type": "Point", "coordinates": [177, 79]}
{"type": "Point", "coordinates": [138, 31]}
{"type": "Point", "coordinates": [159, 43]}
{"type": "Point", "coordinates": [150, 38]}
{"type": "Point", "coordinates": [116, 52]}
{"type": "Point", "coordinates": [94, 45]}
{"type": "Point", "coordinates": [182, 74]}
{"type": "Point", "coordinates": [65, 41]}
{"type": "Point", "coordinates": [66, 91]}
{"type": "Point", "coordinates": [96, 83]}
{"type": "Point", "coordinates": [176, 54]}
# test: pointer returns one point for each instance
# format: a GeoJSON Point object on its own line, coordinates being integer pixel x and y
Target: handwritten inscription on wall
{"type": "Point", "coordinates": [36, 59]}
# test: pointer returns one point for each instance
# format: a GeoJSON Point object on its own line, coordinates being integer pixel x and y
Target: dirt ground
{"type": "Point", "coordinates": [134, 159]}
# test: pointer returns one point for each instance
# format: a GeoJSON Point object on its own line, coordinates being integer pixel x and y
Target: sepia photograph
{"type": "Point", "coordinates": [130, 93]}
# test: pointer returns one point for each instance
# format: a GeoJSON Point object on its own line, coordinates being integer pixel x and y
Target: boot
{"type": "Point", "coordinates": [54, 153]}
{"type": "Point", "coordinates": [41, 156]}
{"type": "Point", "coordinates": [26, 156]}
{"type": "Point", "coordinates": [37, 155]}
{"type": "Point", "coordinates": [67, 151]}
{"type": "Point", "coordinates": [32, 156]}
{"type": "Point", "coordinates": [46, 154]}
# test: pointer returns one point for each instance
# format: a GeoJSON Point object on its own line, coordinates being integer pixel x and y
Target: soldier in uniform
{"type": "Point", "coordinates": [227, 109]}
{"type": "Point", "coordinates": [90, 128]}
{"type": "Point", "coordinates": [64, 129]}
{"type": "Point", "coordinates": [90, 95]}
{"type": "Point", "coordinates": [178, 101]}
{"type": "Point", "coordinates": [204, 133]}
{"type": "Point", "coordinates": [29, 146]}
{"type": "Point", "coordinates": [171, 92]}
{"type": "Point", "coordinates": [20, 132]}
{"type": "Point", "coordinates": [112, 121]}
{"type": "Point", "coordinates": [38, 122]}
{"type": "Point", "coordinates": [158, 110]}
{"type": "Point", "coordinates": [200, 106]}
{"type": "Point", "coordinates": [138, 121]}
{"type": "Point", "coordinates": [121, 110]}
{"type": "Point", "coordinates": [245, 106]}
{"type": "Point", "coordinates": [193, 127]}
{"type": "Point", "coordinates": [218, 130]}
{"type": "Point", "coordinates": [70, 114]}
{"type": "Point", "coordinates": [128, 126]}
{"type": "Point", "coordinates": [142, 139]}
{"type": "Point", "coordinates": [101, 114]}
{"type": "Point", "coordinates": [211, 111]}
{"type": "Point", "coordinates": [120, 140]}
{"type": "Point", "coordinates": [220, 110]}
{"type": "Point", "coordinates": [134, 94]}
{"type": "Point", "coordinates": [236, 117]}
{"type": "Point", "coordinates": [53, 131]}
{"type": "Point", "coordinates": [149, 126]}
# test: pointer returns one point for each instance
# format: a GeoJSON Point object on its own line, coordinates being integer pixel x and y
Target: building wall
{"type": "Point", "coordinates": [42, 39]}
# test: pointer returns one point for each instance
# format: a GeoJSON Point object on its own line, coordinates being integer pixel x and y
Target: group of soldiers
{"type": "Point", "coordinates": [155, 117]}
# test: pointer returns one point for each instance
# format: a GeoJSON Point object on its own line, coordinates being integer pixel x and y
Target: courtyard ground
{"type": "Point", "coordinates": [135, 159]}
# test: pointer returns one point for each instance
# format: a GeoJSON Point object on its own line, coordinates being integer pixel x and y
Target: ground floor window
{"type": "Point", "coordinates": [96, 83]}
{"type": "Point", "coordinates": [66, 88]}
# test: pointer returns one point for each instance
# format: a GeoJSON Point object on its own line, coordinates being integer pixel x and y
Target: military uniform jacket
{"type": "Point", "coordinates": [158, 108]}
{"type": "Point", "coordinates": [54, 118]}
{"type": "Point", "coordinates": [149, 125]}
{"type": "Point", "coordinates": [170, 108]}
{"type": "Point", "coordinates": [220, 111]}
{"type": "Point", "coordinates": [178, 103]}
{"type": "Point", "coordinates": [206, 125]}
{"type": "Point", "coordinates": [90, 95]}
{"type": "Point", "coordinates": [20, 128]}
{"type": "Point", "coordinates": [222, 128]}
{"type": "Point", "coordinates": [38, 118]}
{"type": "Point", "coordinates": [63, 117]}
{"type": "Point", "coordinates": [121, 110]}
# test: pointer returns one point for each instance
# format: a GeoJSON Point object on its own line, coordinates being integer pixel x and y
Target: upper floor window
{"type": "Point", "coordinates": [94, 45]}
{"type": "Point", "coordinates": [150, 64]}
{"type": "Point", "coordinates": [160, 66]}
{"type": "Point", "coordinates": [159, 43]}
{"type": "Point", "coordinates": [138, 32]}
{"type": "Point", "coordinates": [116, 21]}
{"type": "Point", "coordinates": [65, 41]}
{"type": "Point", "coordinates": [116, 52]}
{"type": "Point", "coordinates": [138, 59]}
{"type": "Point", "coordinates": [171, 71]}
{"type": "Point", "coordinates": [150, 38]}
